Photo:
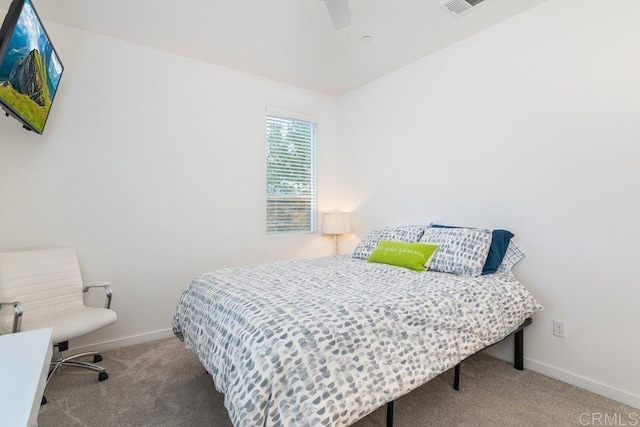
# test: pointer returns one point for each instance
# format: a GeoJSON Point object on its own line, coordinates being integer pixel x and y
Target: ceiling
{"type": "Point", "coordinates": [291, 41]}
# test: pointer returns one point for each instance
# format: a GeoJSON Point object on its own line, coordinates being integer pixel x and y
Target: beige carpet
{"type": "Point", "coordinates": [161, 384]}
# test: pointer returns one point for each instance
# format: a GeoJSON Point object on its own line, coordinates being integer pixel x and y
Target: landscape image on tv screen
{"type": "Point", "coordinates": [30, 70]}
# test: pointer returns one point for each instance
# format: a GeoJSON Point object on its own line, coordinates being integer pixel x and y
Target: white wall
{"type": "Point", "coordinates": [153, 166]}
{"type": "Point", "coordinates": [532, 125]}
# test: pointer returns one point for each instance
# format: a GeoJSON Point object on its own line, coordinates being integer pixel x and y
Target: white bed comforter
{"type": "Point", "coordinates": [327, 341]}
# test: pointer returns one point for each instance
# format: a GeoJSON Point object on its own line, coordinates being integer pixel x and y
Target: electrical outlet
{"type": "Point", "coordinates": [559, 328]}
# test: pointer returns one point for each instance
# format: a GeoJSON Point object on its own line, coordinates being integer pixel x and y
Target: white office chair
{"type": "Point", "coordinates": [45, 289]}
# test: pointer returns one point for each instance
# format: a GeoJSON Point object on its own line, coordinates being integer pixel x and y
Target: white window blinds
{"type": "Point", "coordinates": [291, 175]}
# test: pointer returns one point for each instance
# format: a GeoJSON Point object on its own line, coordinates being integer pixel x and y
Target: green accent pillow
{"type": "Point", "coordinates": [415, 256]}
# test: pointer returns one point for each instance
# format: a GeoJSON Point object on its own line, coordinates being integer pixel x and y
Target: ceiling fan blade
{"type": "Point", "coordinates": [339, 13]}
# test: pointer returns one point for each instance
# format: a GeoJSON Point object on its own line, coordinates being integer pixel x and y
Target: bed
{"type": "Point", "coordinates": [327, 341]}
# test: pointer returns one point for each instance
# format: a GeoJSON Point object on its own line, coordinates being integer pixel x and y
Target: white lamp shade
{"type": "Point", "coordinates": [336, 223]}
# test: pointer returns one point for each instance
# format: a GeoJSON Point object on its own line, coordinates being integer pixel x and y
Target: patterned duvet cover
{"type": "Point", "coordinates": [327, 341]}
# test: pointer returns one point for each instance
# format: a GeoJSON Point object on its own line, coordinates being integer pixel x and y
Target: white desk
{"type": "Point", "coordinates": [24, 363]}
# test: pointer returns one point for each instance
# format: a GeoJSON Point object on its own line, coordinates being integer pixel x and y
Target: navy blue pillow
{"type": "Point", "coordinates": [499, 242]}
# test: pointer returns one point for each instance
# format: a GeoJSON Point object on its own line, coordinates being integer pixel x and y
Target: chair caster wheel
{"type": "Point", "coordinates": [102, 376]}
{"type": "Point", "coordinates": [43, 401]}
{"type": "Point", "coordinates": [97, 358]}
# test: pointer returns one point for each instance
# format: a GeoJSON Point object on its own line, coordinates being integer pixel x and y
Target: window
{"type": "Point", "coordinates": [291, 176]}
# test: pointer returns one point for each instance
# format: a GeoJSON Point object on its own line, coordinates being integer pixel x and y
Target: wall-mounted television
{"type": "Point", "coordinates": [30, 68]}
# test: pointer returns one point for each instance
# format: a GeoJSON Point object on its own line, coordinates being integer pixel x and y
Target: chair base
{"type": "Point", "coordinates": [70, 361]}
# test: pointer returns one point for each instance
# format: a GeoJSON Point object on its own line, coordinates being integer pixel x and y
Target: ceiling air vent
{"type": "Point", "coordinates": [458, 7]}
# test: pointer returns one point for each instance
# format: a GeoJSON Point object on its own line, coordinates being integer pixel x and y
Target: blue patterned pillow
{"type": "Point", "coordinates": [461, 251]}
{"type": "Point", "coordinates": [406, 233]}
{"type": "Point", "coordinates": [499, 243]}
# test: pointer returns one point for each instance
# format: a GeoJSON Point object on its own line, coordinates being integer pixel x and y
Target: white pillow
{"type": "Point", "coordinates": [461, 251]}
{"type": "Point", "coordinates": [513, 256]}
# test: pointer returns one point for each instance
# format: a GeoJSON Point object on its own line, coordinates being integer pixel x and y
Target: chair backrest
{"type": "Point", "coordinates": [44, 281]}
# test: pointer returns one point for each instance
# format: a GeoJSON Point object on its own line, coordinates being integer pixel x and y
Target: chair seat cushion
{"type": "Point", "coordinates": [71, 323]}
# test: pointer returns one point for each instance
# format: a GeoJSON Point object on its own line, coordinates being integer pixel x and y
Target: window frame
{"type": "Point", "coordinates": [312, 212]}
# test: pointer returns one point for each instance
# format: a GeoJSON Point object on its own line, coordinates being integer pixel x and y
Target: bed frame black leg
{"type": "Point", "coordinates": [518, 361]}
{"type": "Point", "coordinates": [456, 378]}
{"type": "Point", "coordinates": [390, 414]}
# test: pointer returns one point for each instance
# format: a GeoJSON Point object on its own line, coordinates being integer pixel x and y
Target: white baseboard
{"type": "Point", "coordinates": [596, 387]}
{"type": "Point", "coordinates": [123, 342]}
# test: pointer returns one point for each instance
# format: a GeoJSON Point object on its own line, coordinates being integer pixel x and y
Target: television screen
{"type": "Point", "coordinates": [30, 68]}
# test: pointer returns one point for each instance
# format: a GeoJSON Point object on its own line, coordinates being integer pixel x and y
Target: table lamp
{"type": "Point", "coordinates": [336, 223]}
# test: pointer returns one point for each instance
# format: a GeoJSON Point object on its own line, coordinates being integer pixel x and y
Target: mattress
{"type": "Point", "coordinates": [327, 341]}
